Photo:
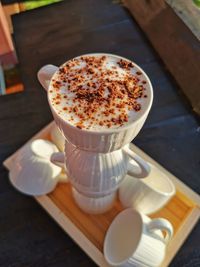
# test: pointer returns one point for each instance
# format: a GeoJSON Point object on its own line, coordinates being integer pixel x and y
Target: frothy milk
{"type": "Point", "coordinates": [99, 92]}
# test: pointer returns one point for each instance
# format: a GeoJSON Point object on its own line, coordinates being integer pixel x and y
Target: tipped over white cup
{"type": "Point", "coordinates": [32, 172]}
{"type": "Point", "coordinates": [133, 239]}
{"type": "Point", "coordinates": [147, 195]}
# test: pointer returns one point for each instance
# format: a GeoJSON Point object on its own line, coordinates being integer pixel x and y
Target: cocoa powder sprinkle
{"type": "Point", "coordinates": [99, 101]}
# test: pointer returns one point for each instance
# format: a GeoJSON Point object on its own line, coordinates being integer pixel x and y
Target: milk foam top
{"type": "Point", "coordinates": [99, 92]}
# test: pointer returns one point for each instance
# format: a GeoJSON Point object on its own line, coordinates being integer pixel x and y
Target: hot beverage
{"type": "Point", "coordinates": [99, 92]}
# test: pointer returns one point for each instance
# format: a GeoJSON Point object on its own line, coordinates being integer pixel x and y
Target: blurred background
{"type": "Point", "coordinates": [10, 80]}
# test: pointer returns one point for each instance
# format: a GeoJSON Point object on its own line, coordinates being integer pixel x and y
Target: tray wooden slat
{"type": "Point", "coordinates": [89, 231]}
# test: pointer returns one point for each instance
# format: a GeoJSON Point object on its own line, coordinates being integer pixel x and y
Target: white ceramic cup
{"type": "Point", "coordinates": [32, 172]}
{"type": "Point", "coordinates": [133, 239]}
{"type": "Point", "coordinates": [97, 141]}
{"type": "Point", "coordinates": [147, 195]}
{"type": "Point", "coordinates": [94, 205]}
{"type": "Point", "coordinates": [98, 174]}
{"type": "Point", "coordinates": [57, 138]}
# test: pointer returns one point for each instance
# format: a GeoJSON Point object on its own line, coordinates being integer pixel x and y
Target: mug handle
{"type": "Point", "coordinates": [143, 168]}
{"type": "Point", "coordinates": [44, 75]}
{"type": "Point", "coordinates": [163, 225]}
{"type": "Point", "coordinates": [58, 158]}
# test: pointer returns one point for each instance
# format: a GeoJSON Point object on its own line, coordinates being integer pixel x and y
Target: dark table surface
{"type": "Point", "coordinates": [171, 135]}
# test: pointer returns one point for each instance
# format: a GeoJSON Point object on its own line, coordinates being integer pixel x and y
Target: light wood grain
{"type": "Point", "coordinates": [183, 211]}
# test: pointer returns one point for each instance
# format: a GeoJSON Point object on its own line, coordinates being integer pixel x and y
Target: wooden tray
{"type": "Point", "coordinates": [88, 231]}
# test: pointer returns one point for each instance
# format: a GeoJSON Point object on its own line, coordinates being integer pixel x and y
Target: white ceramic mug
{"type": "Point", "coordinates": [57, 138]}
{"type": "Point", "coordinates": [97, 141]}
{"type": "Point", "coordinates": [147, 195]}
{"type": "Point", "coordinates": [97, 174]}
{"type": "Point", "coordinates": [133, 239]}
{"type": "Point", "coordinates": [94, 205]}
{"type": "Point", "coordinates": [32, 172]}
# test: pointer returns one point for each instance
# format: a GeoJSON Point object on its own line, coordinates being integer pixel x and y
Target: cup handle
{"type": "Point", "coordinates": [58, 159]}
{"type": "Point", "coordinates": [143, 168]}
{"type": "Point", "coordinates": [163, 225]}
{"type": "Point", "coordinates": [44, 75]}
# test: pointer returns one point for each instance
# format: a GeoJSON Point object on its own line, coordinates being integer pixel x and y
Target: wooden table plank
{"type": "Point", "coordinates": [175, 43]}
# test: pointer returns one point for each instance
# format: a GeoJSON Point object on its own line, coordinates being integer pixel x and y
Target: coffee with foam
{"type": "Point", "coordinates": [99, 92]}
